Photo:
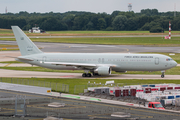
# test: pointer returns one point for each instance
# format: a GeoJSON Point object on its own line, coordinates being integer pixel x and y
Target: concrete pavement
{"type": "Point", "coordinates": [35, 74]}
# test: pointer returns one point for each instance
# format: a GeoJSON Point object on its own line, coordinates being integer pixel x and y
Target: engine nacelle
{"type": "Point", "coordinates": [103, 70]}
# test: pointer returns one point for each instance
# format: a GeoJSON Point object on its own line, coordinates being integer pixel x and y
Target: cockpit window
{"type": "Point", "coordinates": [169, 59]}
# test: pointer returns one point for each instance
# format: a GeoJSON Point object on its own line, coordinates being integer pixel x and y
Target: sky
{"type": "Point", "coordinates": [96, 6]}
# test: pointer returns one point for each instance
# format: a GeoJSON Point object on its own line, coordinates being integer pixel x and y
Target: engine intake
{"type": "Point", "coordinates": [103, 71]}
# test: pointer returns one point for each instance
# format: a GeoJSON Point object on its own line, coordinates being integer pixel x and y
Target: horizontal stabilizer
{"type": "Point", "coordinates": [26, 59]}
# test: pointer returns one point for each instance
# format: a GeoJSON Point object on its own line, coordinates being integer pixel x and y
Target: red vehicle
{"type": "Point", "coordinates": [156, 105]}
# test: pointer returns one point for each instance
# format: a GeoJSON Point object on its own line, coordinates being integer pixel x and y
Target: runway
{"type": "Point", "coordinates": [94, 48]}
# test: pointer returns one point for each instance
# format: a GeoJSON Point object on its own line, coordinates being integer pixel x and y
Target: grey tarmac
{"type": "Point", "coordinates": [33, 74]}
{"type": "Point", "coordinates": [94, 48]}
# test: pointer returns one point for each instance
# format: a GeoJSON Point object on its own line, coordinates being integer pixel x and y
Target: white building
{"type": "Point", "coordinates": [35, 30]}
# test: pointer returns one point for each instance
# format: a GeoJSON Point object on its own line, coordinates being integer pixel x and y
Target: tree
{"type": "Point", "coordinates": [90, 26]}
{"type": "Point", "coordinates": [120, 22]}
{"type": "Point", "coordinates": [69, 21]}
{"type": "Point", "coordinates": [101, 24]}
{"type": "Point", "coordinates": [146, 27]}
{"type": "Point", "coordinates": [156, 29]}
{"type": "Point", "coordinates": [132, 24]}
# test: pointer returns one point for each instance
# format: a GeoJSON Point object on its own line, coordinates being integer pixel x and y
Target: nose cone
{"type": "Point", "coordinates": [174, 63]}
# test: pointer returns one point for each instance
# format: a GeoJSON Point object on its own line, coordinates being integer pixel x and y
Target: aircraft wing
{"type": "Point", "coordinates": [79, 64]}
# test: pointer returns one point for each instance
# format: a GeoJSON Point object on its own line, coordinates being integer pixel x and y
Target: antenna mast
{"type": "Point", "coordinates": [129, 7]}
{"type": "Point", "coordinates": [174, 9]}
{"type": "Point", "coordinates": [6, 10]}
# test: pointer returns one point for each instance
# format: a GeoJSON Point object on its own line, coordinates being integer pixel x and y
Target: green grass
{"type": "Point", "coordinates": [7, 46]}
{"type": "Point", "coordinates": [147, 41]}
{"type": "Point", "coordinates": [3, 31]}
{"type": "Point", "coordinates": [173, 71]}
{"type": "Point", "coordinates": [103, 32]}
{"type": "Point", "coordinates": [84, 82]}
{"type": "Point", "coordinates": [10, 62]}
{"type": "Point", "coordinates": [106, 32]}
{"type": "Point", "coordinates": [9, 49]}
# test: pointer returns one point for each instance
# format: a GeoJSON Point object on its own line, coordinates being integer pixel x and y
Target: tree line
{"type": "Point", "coordinates": [147, 19]}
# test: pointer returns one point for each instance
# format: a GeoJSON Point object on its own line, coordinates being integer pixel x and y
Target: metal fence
{"type": "Point", "coordinates": [79, 89]}
{"type": "Point", "coordinates": [59, 87]}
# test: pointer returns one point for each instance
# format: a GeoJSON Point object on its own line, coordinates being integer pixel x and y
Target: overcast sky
{"type": "Point", "coordinates": [108, 6]}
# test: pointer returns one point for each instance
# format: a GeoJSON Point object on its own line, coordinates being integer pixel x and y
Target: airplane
{"type": "Point", "coordinates": [92, 63]}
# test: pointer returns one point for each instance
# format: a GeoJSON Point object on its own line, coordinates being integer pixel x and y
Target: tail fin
{"type": "Point", "coordinates": [26, 46]}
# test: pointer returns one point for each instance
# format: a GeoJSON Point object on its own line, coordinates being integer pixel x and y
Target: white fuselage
{"type": "Point", "coordinates": [120, 62]}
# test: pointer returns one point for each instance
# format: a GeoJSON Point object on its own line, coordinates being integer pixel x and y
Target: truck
{"type": "Point", "coordinates": [155, 105]}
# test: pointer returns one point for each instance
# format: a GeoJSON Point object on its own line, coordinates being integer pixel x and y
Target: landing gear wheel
{"type": "Point", "coordinates": [84, 75]}
{"type": "Point", "coordinates": [89, 75]}
{"type": "Point", "coordinates": [162, 76]}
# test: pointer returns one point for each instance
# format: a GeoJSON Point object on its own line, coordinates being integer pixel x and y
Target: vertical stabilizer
{"type": "Point", "coordinates": [26, 46]}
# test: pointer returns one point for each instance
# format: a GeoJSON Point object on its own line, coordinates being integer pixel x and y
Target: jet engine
{"type": "Point", "coordinates": [103, 70]}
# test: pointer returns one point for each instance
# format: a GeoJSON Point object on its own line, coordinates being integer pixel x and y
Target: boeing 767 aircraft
{"type": "Point", "coordinates": [95, 63]}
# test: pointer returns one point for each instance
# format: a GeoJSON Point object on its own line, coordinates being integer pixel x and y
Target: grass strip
{"type": "Point", "coordinates": [7, 46]}
{"type": "Point", "coordinates": [11, 62]}
{"type": "Point", "coordinates": [83, 83]}
{"type": "Point", "coordinates": [9, 32]}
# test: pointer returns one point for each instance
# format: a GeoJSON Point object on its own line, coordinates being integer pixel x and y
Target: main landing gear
{"type": "Point", "coordinates": [162, 75]}
{"type": "Point", "coordinates": [86, 75]}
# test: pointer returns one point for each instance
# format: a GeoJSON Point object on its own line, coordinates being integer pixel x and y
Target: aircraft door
{"type": "Point", "coordinates": [101, 60]}
{"type": "Point", "coordinates": [156, 61]}
{"type": "Point", "coordinates": [44, 59]}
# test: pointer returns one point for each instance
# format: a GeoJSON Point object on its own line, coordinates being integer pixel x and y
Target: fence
{"type": "Point", "coordinates": [59, 87]}
{"type": "Point", "coordinates": [80, 88]}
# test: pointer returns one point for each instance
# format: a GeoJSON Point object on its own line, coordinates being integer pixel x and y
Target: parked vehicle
{"type": "Point", "coordinates": [156, 105]}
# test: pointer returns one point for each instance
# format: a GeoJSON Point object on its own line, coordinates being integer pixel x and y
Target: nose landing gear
{"type": "Point", "coordinates": [162, 75]}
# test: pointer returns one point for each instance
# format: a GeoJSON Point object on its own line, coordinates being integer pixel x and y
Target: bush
{"type": "Point", "coordinates": [155, 29]}
{"type": "Point", "coordinates": [109, 29]}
